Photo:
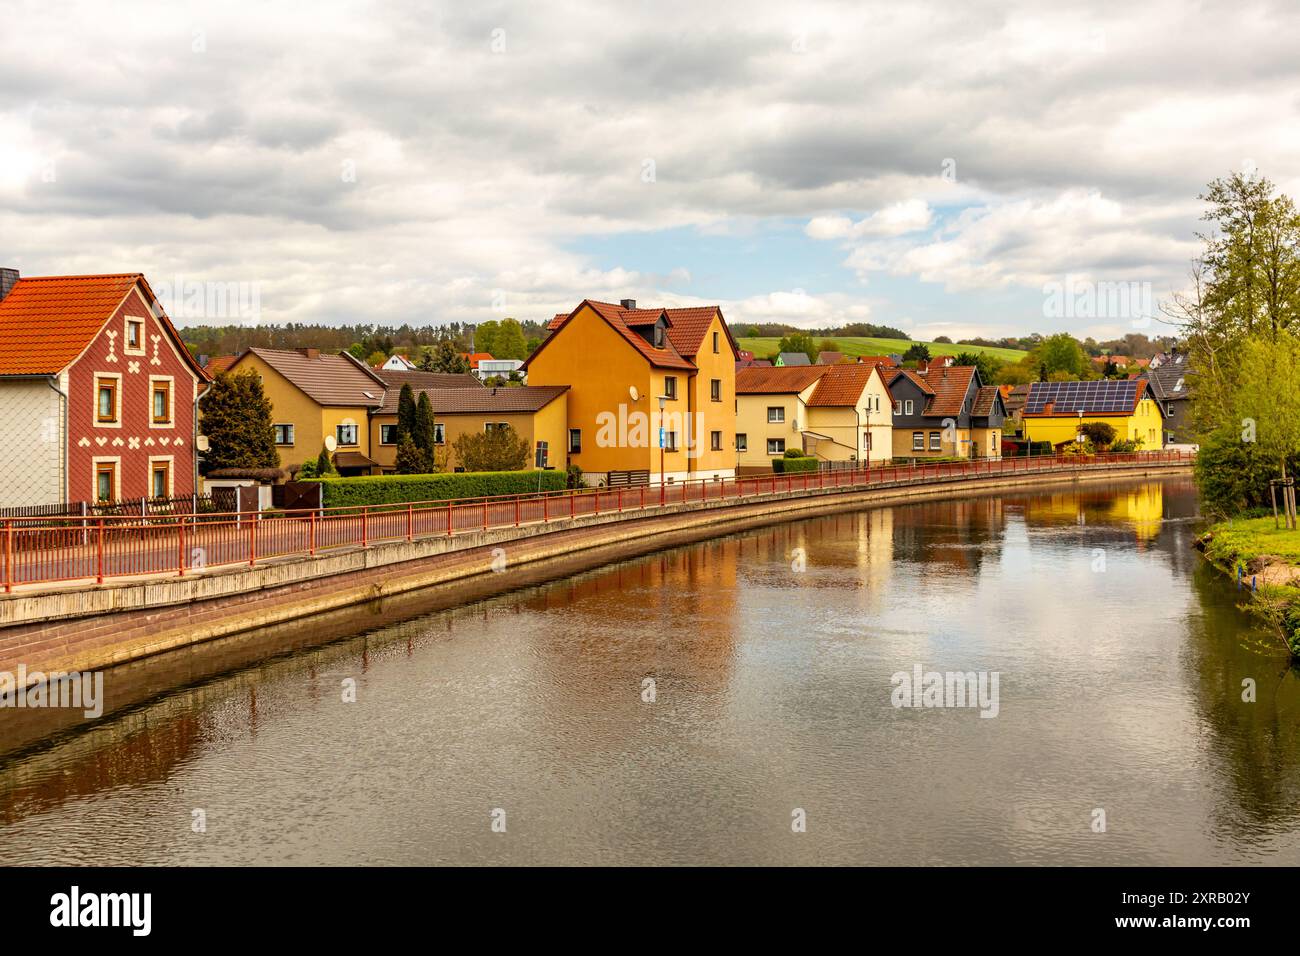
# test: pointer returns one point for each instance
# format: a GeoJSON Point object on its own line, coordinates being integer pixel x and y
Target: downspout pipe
{"type": "Point", "coordinates": [53, 382]}
{"type": "Point", "coordinates": [194, 444]}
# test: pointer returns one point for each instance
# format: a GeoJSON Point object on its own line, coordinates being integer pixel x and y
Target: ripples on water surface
{"type": "Point", "coordinates": [1120, 689]}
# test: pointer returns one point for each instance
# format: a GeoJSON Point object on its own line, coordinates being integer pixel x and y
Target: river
{"type": "Point", "coordinates": [733, 702]}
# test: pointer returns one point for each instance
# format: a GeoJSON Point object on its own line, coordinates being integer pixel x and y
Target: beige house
{"type": "Point", "coordinates": [537, 413]}
{"type": "Point", "coordinates": [833, 412]}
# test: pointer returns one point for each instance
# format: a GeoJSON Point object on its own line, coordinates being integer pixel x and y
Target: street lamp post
{"type": "Point", "coordinates": [663, 403]}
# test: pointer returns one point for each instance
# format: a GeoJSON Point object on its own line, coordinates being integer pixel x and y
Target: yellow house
{"type": "Point", "coordinates": [1055, 411]}
{"type": "Point", "coordinates": [834, 412]}
{"type": "Point", "coordinates": [315, 396]}
{"type": "Point", "coordinates": [537, 413]}
{"type": "Point", "coordinates": [651, 391]}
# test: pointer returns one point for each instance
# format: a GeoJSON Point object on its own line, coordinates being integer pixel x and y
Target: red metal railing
{"type": "Point", "coordinates": [43, 550]}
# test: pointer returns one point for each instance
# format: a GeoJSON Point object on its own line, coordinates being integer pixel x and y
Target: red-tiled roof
{"type": "Point", "coordinates": [219, 363]}
{"type": "Point", "coordinates": [476, 357]}
{"type": "Point", "coordinates": [47, 321]}
{"type": "Point", "coordinates": [841, 385]}
{"type": "Point", "coordinates": [950, 385]}
{"type": "Point", "coordinates": [778, 380]}
{"type": "Point", "coordinates": [666, 357]}
{"type": "Point", "coordinates": [985, 400]}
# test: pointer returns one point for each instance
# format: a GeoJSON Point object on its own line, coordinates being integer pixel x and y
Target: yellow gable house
{"type": "Point", "coordinates": [1054, 411]}
{"type": "Point", "coordinates": [635, 375]}
{"type": "Point", "coordinates": [832, 412]}
{"type": "Point", "coordinates": [314, 396]}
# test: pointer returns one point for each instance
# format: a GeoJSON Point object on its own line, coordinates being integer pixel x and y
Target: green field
{"type": "Point", "coordinates": [854, 345]}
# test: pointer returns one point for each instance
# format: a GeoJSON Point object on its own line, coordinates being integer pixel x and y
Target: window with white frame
{"type": "Point", "coordinates": [918, 441]}
{"type": "Point", "coordinates": [346, 434]}
{"type": "Point", "coordinates": [776, 446]}
{"type": "Point", "coordinates": [742, 442]}
{"type": "Point", "coordinates": [775, 414]}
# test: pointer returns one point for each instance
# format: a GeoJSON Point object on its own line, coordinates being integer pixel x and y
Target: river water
{"type": "Point", "coordinates": [703, 704]}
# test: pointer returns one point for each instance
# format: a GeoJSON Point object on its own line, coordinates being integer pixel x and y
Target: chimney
{"type": "Point", "coordinates": [627, 304]}
{"type": "Point", "coordinates": [8, 279]}
{"type": "Point", "coordinates": [310, 353]}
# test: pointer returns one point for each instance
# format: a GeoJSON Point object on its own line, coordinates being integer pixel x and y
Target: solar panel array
{"type": "Point", "coordinates": [1099, 397]}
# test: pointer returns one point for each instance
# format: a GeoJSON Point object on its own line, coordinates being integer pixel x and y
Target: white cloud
{"type": "Point", "coordinates": [211, 141]}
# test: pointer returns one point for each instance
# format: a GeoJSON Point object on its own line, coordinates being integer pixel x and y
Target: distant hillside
{"type": "Point", "coordinates": [854, 346]}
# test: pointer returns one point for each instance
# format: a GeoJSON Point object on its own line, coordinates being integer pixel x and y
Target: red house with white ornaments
{"type": "Point", "coordinates": [98, 395]}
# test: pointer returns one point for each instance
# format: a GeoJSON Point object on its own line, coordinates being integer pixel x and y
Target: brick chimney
{"type": "Point", "coordinates": [627, 304]}
{"type": "Point", "coordinates": [310, 353]}
{"type": "Point", "coordinates": [8, 279]}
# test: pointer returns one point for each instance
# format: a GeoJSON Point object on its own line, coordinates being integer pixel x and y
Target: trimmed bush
{"type": "Point", "coordinates": [789, 466]}
{"type": "Point", "coordinates": [399, 489]}
{"type": "Point", "coordinates": [794, 453]}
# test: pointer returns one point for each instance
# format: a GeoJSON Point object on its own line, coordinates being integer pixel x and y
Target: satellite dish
{"type": "Point", "coordinates": [201, 443]}
{"type": "Point", "coordinates": [330, 443]}
{"type": "Point", "coordinates": [631, 390]}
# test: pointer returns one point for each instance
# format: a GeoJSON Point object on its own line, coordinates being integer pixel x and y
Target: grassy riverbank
{"type": "Point", "coordinates": [1269, 555]}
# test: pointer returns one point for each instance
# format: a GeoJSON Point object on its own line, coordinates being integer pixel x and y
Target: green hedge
{"type": "Point", "coordinates": [790, 465]}
{"type": "Point", "coordinates": [399, 489]}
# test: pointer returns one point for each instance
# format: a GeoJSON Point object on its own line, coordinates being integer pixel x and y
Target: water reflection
{"type": "Point", "coordinates": [770, 652]}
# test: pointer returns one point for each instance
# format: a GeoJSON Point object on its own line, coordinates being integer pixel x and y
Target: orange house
{"type": "Point", "coordinates": [650, 390]}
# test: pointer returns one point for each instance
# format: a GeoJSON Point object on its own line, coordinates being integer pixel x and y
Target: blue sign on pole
{"type": "Point", "coordinates": [661, 436]}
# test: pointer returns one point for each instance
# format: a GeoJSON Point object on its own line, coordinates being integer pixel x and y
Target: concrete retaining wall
{"type": "Point", "coordinates": [90, 628]}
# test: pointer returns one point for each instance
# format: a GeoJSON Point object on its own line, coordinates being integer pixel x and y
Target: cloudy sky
{"type": "Point", "coordinates": [927, 167]}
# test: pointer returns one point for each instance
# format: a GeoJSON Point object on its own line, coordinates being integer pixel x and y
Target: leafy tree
{"type": "Point", "coordinates": [485, 337]}
{"type": "Point", "coordinates": [445, 358]}
{"type": "Point", "coordinates": [1062, 353]}
{"type": "Point", "coordinates": [376, 358]}
{"type": "Point", "coordinates": [1268, 398]}
{"type": "Point", "coordinates": [358, 350]}
{"type": "Point", "coordinates": [917, 353]}
{"type": "Point", "coordinates": [1101, 434]}
{"type": "Point", "coordinates": [497, 449]}
{"type": "Point", "coordinates": [827, 345]}
{"type": "Point", "coordinates": [942, 340]}
{"type": "Point", "coordinates": [405, 413]}
{"type": "Point", "coordinates": [988, 366]}
{"type": "Point", "coordinates": [799, 342]}
{"type": "Point", "coordinates": [237, 423]}
{"type": "Point", "coordinates": [510, 342]}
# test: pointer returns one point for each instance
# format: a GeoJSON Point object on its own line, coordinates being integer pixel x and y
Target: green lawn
{"type": "Point", "coordinates": [855, 345]}
{"type": "Point", "coordinates": [1243, 539]}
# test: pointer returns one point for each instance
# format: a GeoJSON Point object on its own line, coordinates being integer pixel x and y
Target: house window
{"type": "Point", "coordinates": [715, 387]}
{"type": "Point", "coordinates": [907, 407]}
{"type": "Point", "coordinates": [898, 406]}
{"type": "Point", "coordinates": [918, 441]}
{"type": "Point", "coordinates": [659, 336]}
{"type": "Point", "coordinates": [439, 433]}
{"type": "Point", "coordinates": [495, 426]}
{"type": "Point", "coordinates": [105, 481]}
{"type": "Point", "coordinates": [866, 440]}
{"type": "Point", "coordinates": [134, 336]}
{"type": "Point", "coordinates": [284, 434]}
{"type": "Point", "coordinates": [670, 441]}
{"type": "Point", "coordinates": [715, 343]}
{"type": "Point", "coordinates": [715, 441]}
{"type": "Point", "coordinates": [346, 434]}
{"type": "Point", "coordinates": [742, 442]}
{"type": "Point", "coordinates": [670, 386]}
{"type": "Point", "coordinates": [575, 441]}
{"type": "Point", "coordinates": [775, 414]}
{"type": "Point", "coordinates": [162, 403]}
{"type": "Point", "coordinates": [388, 434]}
{"type": "Point", "coordinates": [776, 446]}
{"type": "Point", "coordinates": [106, 400]}
{"type": "Point", "coordinates": [160, 479]}
{"type": "Point", "coordinates": [934, 442]}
